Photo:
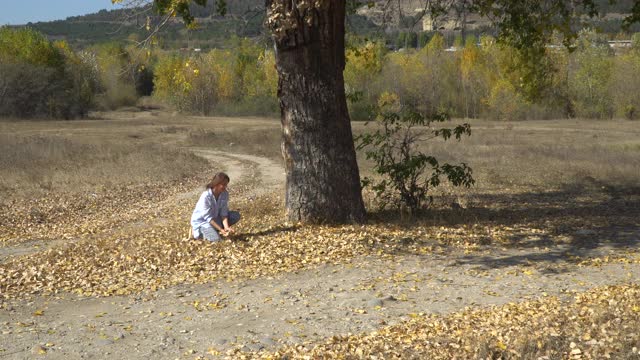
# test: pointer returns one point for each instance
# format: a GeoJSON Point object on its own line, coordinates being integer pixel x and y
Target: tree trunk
{"type": "Point", "coordinates": [322, 178]}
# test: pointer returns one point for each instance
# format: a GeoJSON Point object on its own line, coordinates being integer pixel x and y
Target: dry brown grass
{"type": "Point", "coordinates": [137, 147]}
{"type": "Point", "coordinates": [538, 182]}
{"type": "Point", "coordinates": [544, 154]}
{"type": "Point", "coordinates": [117, 149]}
{"type": "Point", "coordinates": [255, 141]}
{"type": "Point", "coordinates": [53, 163]}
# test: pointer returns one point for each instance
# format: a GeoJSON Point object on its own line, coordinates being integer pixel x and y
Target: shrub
{"type": "Point", "coordinates": [624, 87]}
{"type": "Point", "coordinates": [408, 174]}
{"type": "Point", "coordinates": [505, 103]}
{"type": "Point", "coordinates": [589, 76]}
{"type": "Point", "coordinates": [117, 76]}
{"type": "Point", "coordinates": [186, 84]}
{"type": "Point", "coordinates": [27, 90]}
{"type": "Point", "coordinates": [364, 62]}
{"type": "Point", "coordinates": [40, 78]}
{"type": "Point", "coordinates": [238, 82]}
{"type": "Point", "coordinates": [28, 46]}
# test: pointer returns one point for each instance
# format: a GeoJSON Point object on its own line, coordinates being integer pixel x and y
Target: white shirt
{"type": "Point", "coordinates": [208, 208]}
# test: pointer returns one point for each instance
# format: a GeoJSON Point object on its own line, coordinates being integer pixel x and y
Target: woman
{"type": "Point", "coordinates": [211, 217]}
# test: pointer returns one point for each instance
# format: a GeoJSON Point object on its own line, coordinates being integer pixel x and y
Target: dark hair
{"type": "Point", "coordinates": [218, 178]}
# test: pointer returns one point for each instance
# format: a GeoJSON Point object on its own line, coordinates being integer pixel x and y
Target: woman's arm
{"type": "Point", "coordinates": [217, 227]}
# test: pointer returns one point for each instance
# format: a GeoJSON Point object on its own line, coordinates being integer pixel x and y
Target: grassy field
{"type": "Point", "coordinates": [147, 148]}
{"type": "Point", "coordinates": [117, 150]}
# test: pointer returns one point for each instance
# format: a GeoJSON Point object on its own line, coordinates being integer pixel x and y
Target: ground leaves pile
{"type": "Point", "coordinates": [603, 323]}
{"type": "Point", "coordinates": [140, 245]}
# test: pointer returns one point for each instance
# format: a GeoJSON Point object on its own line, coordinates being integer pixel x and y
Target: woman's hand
{"type": "Point", "coordinates": [227, 231]}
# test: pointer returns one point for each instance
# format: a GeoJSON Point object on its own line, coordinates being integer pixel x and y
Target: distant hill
{"type": "Point", "coordinates": [129, 25]}
{"type": "Point", "coordinates": [244, 18]}
{"type": "Point", "coordinates": [411, 15]}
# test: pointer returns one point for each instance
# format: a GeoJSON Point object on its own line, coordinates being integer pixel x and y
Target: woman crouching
{"type": "Point", "coordinates": [211, 217]}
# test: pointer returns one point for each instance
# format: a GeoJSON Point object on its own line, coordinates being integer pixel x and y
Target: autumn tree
{"type": "Point", "coordinates": [40, 78]}
{"type": "Point", "coordinates": [590, 73]}
{"type": "Point", "coordinates": [624, 87]}
{"type": "Point", "coordinates": [364, 63]}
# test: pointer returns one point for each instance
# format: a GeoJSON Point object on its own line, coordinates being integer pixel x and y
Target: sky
{"type": "Point", "coordinates": [18, 12]}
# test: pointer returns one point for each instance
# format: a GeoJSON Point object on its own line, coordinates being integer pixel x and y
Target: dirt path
{"type": "Point", "coordinates": [237, 167]}
{"type": "Point", "coordinates": [189, 321]}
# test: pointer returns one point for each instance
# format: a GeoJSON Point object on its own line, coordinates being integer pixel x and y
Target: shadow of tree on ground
{"type": "Point", "coordinates": [574, 222]}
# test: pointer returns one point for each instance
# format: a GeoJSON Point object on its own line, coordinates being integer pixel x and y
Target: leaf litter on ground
{"type": "Point", "coordinates": [112, 257]}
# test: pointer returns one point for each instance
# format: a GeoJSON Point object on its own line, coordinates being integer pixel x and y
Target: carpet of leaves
{"type": "Point", "coordinates": [73, 216]}
{"type": "Point", "coordinates": [602, 323]}
{"type": "Point", "coordinates": [126, 240]}
{"type": "Point", "coordinates": [152, 257]}
{"type": "Point", "coordinates": [132, 240]}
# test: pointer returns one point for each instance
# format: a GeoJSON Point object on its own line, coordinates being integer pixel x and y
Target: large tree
{"type": "Point", "coordinates": [323, 182]}
{"type": "Point", "coordinates": [322, 178]}
{"type": "Point", "coordinates": [322, 175]}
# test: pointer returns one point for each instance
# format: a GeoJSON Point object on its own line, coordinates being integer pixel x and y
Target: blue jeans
{"type": "Point", "coordinates": [211, 234]}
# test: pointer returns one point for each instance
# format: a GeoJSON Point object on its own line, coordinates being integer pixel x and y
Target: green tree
{"type": "Point", "coordinates": [589, 76]}
{"type": "Point", "coordinates": [81, 80]}
{"type": "Point", "coordinates": [624, 87]}
{"type": "Point", "coordinates": [364, 63]}
{"type": "Point", "coordinates": [117, 75]}
{"type": "Point", "coordinates": [401, 41]}
{"type": "Point", "coordinates": [635, 42]}
{"type": "Point", "coordinates": [474, 89]}
{"type": "Point", "coordinates": [29, 46]}
{"type": "Point", "coordinates": [187, 83]}
{"type": "Point", "coordinates": [241, 80]}
{"type": "Point", "coordinates": [423, 39]}
{"type": "Point", "coordinates": [40, 78]}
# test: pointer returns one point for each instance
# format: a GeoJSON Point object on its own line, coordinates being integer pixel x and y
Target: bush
{"type": "Point", "coordinates": [42, 79]}
{"type": "Point", "coordinates": [28, 46]}
{"type": "Point", "coordinates": [27, 90]}
{"type": "Point", "coordinates": [589, 76]}
{"type": "Point", "coordinates": [238, 82]}
{"type": "Point", "coordinates": [505, 103]}
{"type": "Point", "coordinates": [118, 76]}
{"type": "Point", "coordinates": [408, 174]}
{"type": "Point", "coordinates": [187, 84]}
{"type": "Point", "coordinates": [624, 87]}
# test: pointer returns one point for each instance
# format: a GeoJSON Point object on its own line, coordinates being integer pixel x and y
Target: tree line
{"type": "Point", "coordinates": [477, 77]}
{"type": "Point", "coordinates": [481, 78]}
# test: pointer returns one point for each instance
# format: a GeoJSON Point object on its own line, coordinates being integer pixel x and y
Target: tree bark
{"type": "Point", "coordinates": [322, 177]}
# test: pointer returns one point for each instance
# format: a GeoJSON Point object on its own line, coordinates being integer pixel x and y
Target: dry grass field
{"type": "Point", "coordinates": [539, 260]}
{"type": "Point", "coordinates": [146, 148]}
{"type": "Point", "coordinates": [127, 149]}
